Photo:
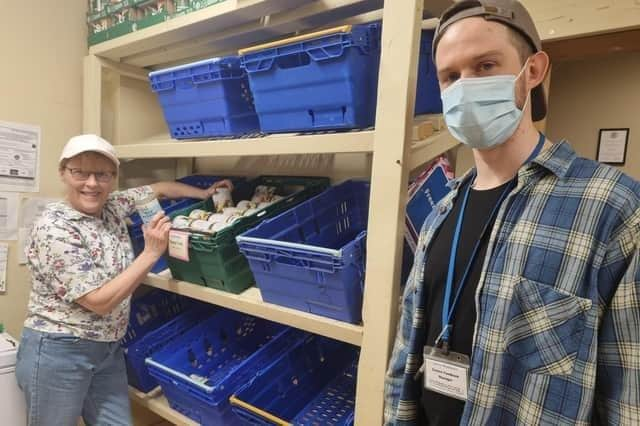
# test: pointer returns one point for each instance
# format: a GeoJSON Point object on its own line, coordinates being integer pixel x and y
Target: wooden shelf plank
{"type": "Point", "coordinates": [164, 147]}
{"type": "Point", "coordinates": [566, 19]}
{"type": "Point", "coordinates": [159, 405]}
{"type": "Point", "coordinates": [227, 23]}
{"type": "Point", "coordinates": [426, 150]}
{"type": "Point", "coordinates": [329, 143]}
{"type": "Point", "coordinates": [250, 302]}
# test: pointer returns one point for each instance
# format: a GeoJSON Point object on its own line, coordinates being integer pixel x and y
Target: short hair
{"type": "Point", "coordinates": [522, 45]}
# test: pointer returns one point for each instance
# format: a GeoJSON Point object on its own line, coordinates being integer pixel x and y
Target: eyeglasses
{"type": "Point", "coordinates": [81, 175]}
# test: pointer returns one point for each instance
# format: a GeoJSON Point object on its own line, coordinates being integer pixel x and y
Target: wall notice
{"type": "Point", "coordinates": [8, 216]}
{"type": "Point", "coordinates": [31, 209]}
{"type": "Point", "coordinates": [19, 157]}
{"type": "Point", "coordinates": [4, 255]}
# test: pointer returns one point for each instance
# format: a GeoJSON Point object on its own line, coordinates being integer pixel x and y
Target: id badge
{"type": "Point", "coordinates": [446, 374]}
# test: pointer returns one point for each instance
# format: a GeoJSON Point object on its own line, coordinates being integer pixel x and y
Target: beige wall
{"type": "Point", "coordinates": [42, 45]}
{"type": "Point", "coordinates": [593, 94]}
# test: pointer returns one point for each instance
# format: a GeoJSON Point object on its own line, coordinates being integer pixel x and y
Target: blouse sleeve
{"type": "Point", "coordinates": [124, 202]}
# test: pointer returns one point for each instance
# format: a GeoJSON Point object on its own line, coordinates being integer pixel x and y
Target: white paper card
{"type": "Point", "coordinates": [23, 241]}
{"type": "Point", "coordinates": [179, 245]}
{"type": "Point", "coordinates": [4, 255]}
{"type": "Point", "coordinates": [8, 216]}
{"type": "Point", "coordinates": [19, 157]}
{"type": "Point", "coordinates": [446, 378]}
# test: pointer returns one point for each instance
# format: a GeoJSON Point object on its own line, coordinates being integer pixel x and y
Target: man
{"type": "Point", "coordinates": [523, 304]}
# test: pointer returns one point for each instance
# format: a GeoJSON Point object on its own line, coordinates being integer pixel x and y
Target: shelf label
{"type": "Point", "coordinates": [179, 245]}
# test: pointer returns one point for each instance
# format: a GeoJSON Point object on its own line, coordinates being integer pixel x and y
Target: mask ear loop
{"type": "Point", "coordinates": [526, 101]}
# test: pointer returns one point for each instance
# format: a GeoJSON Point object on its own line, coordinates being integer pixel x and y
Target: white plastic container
{"type": "Point", "coordinates": [221, 199]}
{"type": "Point", "coordinates": [148, 207]}
{"type": "Point", "coordinates": [13, 409]}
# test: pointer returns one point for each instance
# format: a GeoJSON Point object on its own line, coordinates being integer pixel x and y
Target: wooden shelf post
{"type": "Point", "coordinates": [392, 139]}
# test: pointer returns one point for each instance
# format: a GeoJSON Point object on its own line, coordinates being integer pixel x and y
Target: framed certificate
{"type": "Point", "coordinates": [612, 146]}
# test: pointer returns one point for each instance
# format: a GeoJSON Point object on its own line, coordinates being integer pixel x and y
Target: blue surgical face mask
{"type": "Point", "coordinates": [482, 112]}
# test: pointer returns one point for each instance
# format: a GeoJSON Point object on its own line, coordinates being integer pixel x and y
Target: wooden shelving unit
{"type": "Point", "coordinates": [392, 147]}
{"type": "Point", "coordinates": [232, 24]}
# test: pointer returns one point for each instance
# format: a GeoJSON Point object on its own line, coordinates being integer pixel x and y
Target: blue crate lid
{"type": "Point", "coordinates": [207, 70]}
{"type": "Point", "coordinates": [364, 36]}
{"type": "Point", "coordinates": [210, 61]}
{"type": "Point", "coordinates": [262, 234]}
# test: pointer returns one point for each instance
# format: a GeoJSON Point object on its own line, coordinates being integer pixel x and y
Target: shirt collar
{"type": "Point", "coordinates": [557, 159]}
{"type": "Point", "coordinates": [72, 214]}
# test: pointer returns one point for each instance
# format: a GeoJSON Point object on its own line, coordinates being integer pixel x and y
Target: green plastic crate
{"type": "Point", "coordinates": [121, 29]}
{"type": "Point", "coordinates": [91, 17]}
{"type": "Point", "coordinates": [98, 37]}
{"type": "Point", "coordinates": [148, 21]}
{"type": "Point", "coordinates": [215, 260]}
{"type": "Point", "coordinates": [116, 7]}
{"type": "Point", "coordinates": [200, 4]}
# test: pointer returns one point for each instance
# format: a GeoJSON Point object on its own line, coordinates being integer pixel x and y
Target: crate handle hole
{"type": "Point", "coordinates": [294, 60]}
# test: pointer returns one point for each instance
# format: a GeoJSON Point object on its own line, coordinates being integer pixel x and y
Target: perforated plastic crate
{"type": "Point", "coordinates": [314, 383]}
{"type": "Point", "coordinates": [428, 90]}
{"type": "Point", "coordinates": [214, 260]}
{"type": "Point", "coordinates": [200, 370]}
{"type": "Point", "coordinates": [312, 257]}
{"type": "Point", "coordinates": [149, 312]}
{"type": "Point", "coordinates": [206, 98]}
{"type": "Point", "coordinates": [324, 82]}
{"type": "Point", "coordinates": [329, 80]}
{"type": "Point", "coordinates": [137, 351]}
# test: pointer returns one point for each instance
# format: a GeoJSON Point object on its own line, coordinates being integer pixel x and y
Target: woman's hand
{"type": "Point", "coordinates": [156, 235]}
{"type": "Point", "coordinates": [225, 183]}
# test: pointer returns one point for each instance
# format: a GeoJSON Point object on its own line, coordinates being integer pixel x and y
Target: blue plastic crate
{"type": "Point", "coordinates": [314, 383]}
{"type": "Point", "coordinates": [149, 312]}
{"type": "Point", "coordinates": [328, 82]}
{"type": "Point", "coordinates": [137, 351]}
{"type": "Point", "coordinates": [206, 98]}
{"type": "Point", "coordinates": [311, 257]}
{"type": "Point", "coordinates": [428, 99]}
{"type": "Point", "coordinates": [169, 206]}
{"type": "Point", "coordinates": [200, 370]}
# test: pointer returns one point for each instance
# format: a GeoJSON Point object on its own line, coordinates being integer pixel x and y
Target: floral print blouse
{"type": "Point", "coordinates": [71, 254]}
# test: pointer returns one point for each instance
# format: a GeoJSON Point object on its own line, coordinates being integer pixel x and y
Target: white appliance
{"type": "Point", "coordinates": [13, 409]}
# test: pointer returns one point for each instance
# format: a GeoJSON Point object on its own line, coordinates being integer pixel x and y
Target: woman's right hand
{"type": "Point", "coordinates": [156, 235]}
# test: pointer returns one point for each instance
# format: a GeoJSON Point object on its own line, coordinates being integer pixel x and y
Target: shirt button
{"type": "Point", "coordinates": [442, 209]}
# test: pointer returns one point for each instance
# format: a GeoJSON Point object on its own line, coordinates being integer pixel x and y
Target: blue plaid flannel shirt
{"type": "Point", "coordinates": [557, 336]}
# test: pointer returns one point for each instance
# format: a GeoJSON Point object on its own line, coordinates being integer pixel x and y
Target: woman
{"type": "Point", "coordinates": [70, 362]}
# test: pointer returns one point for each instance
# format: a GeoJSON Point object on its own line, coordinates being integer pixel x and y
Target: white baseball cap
{"type": "Point", "coordinates": [89, 143]}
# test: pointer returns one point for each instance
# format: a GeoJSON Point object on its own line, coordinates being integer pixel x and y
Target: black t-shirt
{"type": "Point", "coordinates": [439, 409]}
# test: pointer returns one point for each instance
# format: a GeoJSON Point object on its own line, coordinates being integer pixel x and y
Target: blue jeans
{"type": "Point", "coordinates": [64, 377]}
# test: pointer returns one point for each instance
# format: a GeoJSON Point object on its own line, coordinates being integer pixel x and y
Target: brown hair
{"type": "Point", "coordinates": [523, 47]}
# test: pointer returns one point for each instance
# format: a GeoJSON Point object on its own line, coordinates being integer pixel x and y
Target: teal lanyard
{"type": "Point", "coordinates": [448, 308]}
